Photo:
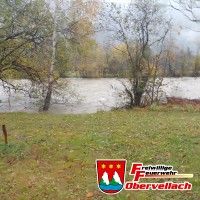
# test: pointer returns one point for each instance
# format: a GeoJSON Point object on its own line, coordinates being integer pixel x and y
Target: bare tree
{"type": "Point", "coordinates": [141, 28]}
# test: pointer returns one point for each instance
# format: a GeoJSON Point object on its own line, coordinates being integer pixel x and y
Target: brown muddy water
{"type": "Point", "coordinates": [92, 95]}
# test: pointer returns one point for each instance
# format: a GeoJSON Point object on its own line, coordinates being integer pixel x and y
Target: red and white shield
{"type": "Point", "coordinates": [110, 175]}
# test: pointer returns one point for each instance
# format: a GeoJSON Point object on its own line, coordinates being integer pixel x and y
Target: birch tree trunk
{"type": "Point", "coordinates": [53, 59]}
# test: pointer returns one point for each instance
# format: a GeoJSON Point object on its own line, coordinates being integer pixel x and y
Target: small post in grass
{"type": "Point", "coordinates": [5, 134]}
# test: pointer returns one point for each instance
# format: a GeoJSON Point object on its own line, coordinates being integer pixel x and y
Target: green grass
{"type": "Point", "coordinates": [53, 156]}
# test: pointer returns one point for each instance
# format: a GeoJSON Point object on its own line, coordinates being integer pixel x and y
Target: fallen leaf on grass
{"type": "Point", "coordinates": [153, 142]}
{"type": "Point", "coordinates": [90, 194]}
{"type": "Point", "coordinates": [168, 154]}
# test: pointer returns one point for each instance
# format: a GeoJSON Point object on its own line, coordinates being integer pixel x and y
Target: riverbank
{"type": "Point", "coordinates": [53, 156]}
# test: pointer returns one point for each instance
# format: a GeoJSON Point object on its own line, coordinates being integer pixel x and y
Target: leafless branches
{"type": "Point", "coordinates": [140, 28]}
{"type": "Point", "coordinates": [189, 8]}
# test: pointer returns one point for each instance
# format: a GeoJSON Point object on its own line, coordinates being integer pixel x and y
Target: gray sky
{"type": "Point", "coordinates": [184, 37]}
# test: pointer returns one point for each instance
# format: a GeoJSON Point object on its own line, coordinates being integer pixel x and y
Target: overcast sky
{"type": "Point", "coordinates": [184, 37]}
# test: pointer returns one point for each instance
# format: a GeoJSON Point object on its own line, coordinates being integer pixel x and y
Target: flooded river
{"type": "Point", "coordinates": [93, 95]}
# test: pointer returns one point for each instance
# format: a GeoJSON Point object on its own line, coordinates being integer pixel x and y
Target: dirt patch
{"type": "Point", "coordinates": [182, 101]}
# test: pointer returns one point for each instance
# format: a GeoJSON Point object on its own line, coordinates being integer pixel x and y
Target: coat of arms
{"type": "Point", "coordinates": [111, 175]}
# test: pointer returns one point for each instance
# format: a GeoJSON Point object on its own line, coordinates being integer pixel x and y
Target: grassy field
{"type": "Point", "coordinates": [53, 156]}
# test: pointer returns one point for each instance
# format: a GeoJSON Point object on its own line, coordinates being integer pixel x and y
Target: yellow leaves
{"type": "Point", "coordinates": [173, 58]}
{"type": "Point", "coordinates": [88, 58]}
{"type": "Point", "coordinates": [84, 13]}
{"type": "Point", "coordinates": [120, 53]}
{"type": "Point", "coordinates": [89, 195]}
{"type": "Point", "coordinates": [88, 9]}
{"type": "Point", "coordinates": [167, 154]}
{"type": "Point", "coordinates": [168, 55]}
{"type": "Point", "coordinates": [153, 142]}
{"type": "Point", "coordinates": [151, 66]}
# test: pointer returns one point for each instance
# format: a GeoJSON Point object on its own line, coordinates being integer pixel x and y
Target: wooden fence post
{"type": "Point", "coordinates": [5, 134]}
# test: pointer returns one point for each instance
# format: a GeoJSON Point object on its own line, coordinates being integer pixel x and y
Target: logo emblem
{"type": "Point", "coordinates": [110, 175]}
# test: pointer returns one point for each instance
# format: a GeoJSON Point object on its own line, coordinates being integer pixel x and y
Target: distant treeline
{"type": "Point", "coordinates": [110, 64]}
